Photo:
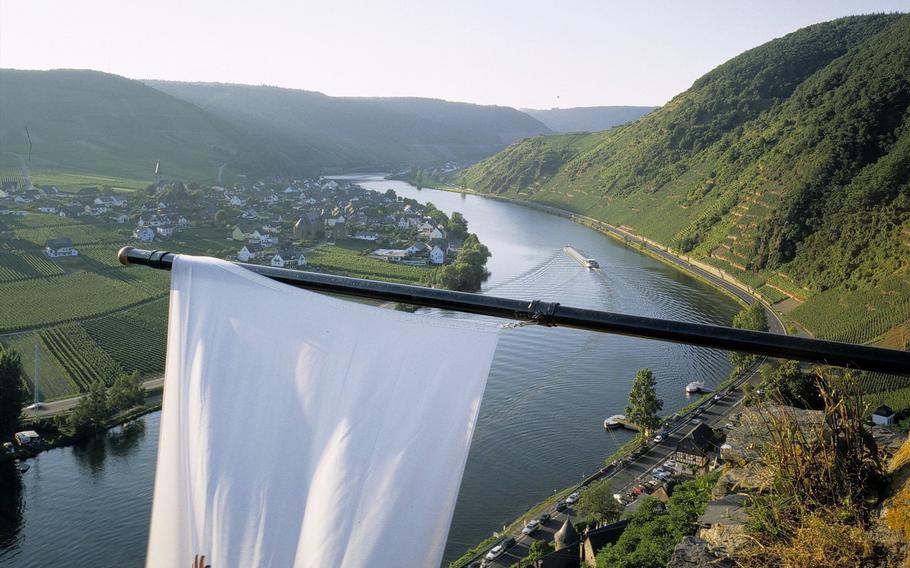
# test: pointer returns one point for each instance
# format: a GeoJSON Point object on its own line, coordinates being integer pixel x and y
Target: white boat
{"type": "Point", "coordinates": [695, 387]}
{"type": "Point", "coordinates": [615, 421]}
{"type": "Point", "coordinates": [581, 259]}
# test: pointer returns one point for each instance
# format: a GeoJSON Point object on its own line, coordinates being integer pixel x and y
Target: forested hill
{"type": "Point", "coordinates": [88, 122]}
{"type": "Point", "coordinates": [93, 122]}
{"type": "Point", "coordinates": [316, 131]}
{"type": "Point", "coordinates": [587, 119]}
{"type": "Point", "coordinates": [787, 165]}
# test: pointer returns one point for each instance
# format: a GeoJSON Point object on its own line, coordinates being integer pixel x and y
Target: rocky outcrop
{"type": "Point", "coordinates": [693, 552]}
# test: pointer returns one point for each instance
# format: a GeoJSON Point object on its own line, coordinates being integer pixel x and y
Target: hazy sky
{"type": "Point", "coordinates": [518, 53]}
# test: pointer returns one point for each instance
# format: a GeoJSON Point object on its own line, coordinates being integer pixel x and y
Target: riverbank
{"type": "Point", "coordinates": [51, 436]}
{"type": "Point", "coordinates": [723, 281]}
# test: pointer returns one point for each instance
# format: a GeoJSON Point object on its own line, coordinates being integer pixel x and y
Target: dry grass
{"type": "Point", "coordinates": [826, 477]}
{"type": "Point", "coordinates": [897, 507]}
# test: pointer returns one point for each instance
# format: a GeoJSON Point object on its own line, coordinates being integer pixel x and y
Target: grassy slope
{"type": "Point", "coordinates": [92, 122]}
{"type": "Point", "coordinates": [587, 119]}
{"type": "Point", "coordinates": [787, 165]}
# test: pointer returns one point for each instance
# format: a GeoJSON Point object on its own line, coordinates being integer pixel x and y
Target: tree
{"type": "Point", "coordinates": [92, 411]}
{"type": "Point", "coordinates": [597, 501]}
{"type": "Point", "coordinates": [126, 392]}
{"type": "Point", "coordinates": [539, 549]}
{"type": "Point", "coordinates": [792, 385]}
{"type": "Point", "coordinates": [643, 402]}
{"type": "Point", "coordinates": [457, 226]}
{"type": "Point", "coordinates": [751, 317]}
{"type": "Point", "coordinates": [220, 216]}
{"type": "Point", "coordinates": [12, 392]}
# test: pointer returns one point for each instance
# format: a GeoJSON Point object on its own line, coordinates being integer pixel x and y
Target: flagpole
{"type": "Point", "coordinates": [554, 314]}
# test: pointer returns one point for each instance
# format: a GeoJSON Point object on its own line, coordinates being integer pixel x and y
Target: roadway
{"type": "Point", "coordinates": [65, 405]}
{"type": "Point", "coordinates": [637, 470]}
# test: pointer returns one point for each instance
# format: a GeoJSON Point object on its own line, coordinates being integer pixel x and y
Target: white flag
{"type": "Point", "coordinates": [303, 430]}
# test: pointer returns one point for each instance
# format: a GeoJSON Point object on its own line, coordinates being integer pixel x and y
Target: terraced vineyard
{"type": "Point", "coordinates": [46, 301]}
{"type": "Point", "coordinates": [855, 316]}
{"type": "Point", "coordinates": [83, 360]}
{"type": "Point", "coordinates": [136, 338]}
{"type": "Point", "coordinates": [879, 382]}
{"type": "Point", "coordinates": [19, 266]}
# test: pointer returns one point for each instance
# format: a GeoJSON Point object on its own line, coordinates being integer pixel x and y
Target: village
{"type": "Point", "coordinates": [274, 221]}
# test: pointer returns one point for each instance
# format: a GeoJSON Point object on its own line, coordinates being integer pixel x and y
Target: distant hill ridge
{"type": "Point", "coordinates": [315, 131]}
{"type": "Point", "coordinates": [788, 165]}
{"type": "Point", "coordinates": [92, 122]}
{"type": "Point", "coordinates": [587, 119]}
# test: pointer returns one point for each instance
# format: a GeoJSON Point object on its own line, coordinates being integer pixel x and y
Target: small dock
{"type": "Point", "coordinates": [619, 421]}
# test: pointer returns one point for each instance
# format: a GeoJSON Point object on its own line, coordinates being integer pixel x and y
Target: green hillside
{"type": "Point", "coordinates": [318, 131]}
{"type": "Point", "coordinates": [92, 122]}
{"type": "Point", "coordinates": [587, 119]}
{"type": "Point", "coordinates": [787, 166]}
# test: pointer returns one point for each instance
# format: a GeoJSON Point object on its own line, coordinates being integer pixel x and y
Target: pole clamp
{"type": "Point", "coordinates": [156, 259]}
{"type": "Point", "coordinates": [542, 313]}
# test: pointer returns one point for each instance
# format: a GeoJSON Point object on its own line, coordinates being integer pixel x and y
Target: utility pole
{"type": "Point", "coordinates": [35, 382]}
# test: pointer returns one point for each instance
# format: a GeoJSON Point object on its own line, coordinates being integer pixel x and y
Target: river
{"type": "Point", "coordinates": [539, 428]}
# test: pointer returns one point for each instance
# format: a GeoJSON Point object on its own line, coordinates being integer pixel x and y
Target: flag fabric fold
{"type": "Point", "coordinates": [303, 430]}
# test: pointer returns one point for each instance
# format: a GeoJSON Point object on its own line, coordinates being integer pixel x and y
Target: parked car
{"type": "Point", "coordinates": [508, 543]}
{"type": "Point", "coordinates": [663, 475]}
{"type": "Point", "coordinates": [669, 464]}
{"type": "Point", "coordinates": [658, 438]}
{"type": "Point", "coordinates": [544, 519]}
{"type": "Point", "coordinates": [695, 421]}
{"type": "Point", "coordinates": [572, 499]}
{"type": "Point", "coordinates": [495, 552]}
{"type": "Point", "coordinates": [531, 526]}
{"type": "Point", "coordinates": [728, 426]}
{"type": "Point", "coordinates": [717, 397]}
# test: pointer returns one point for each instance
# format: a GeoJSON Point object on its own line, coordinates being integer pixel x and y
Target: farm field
{"type": "Point", "coordinates": [347, 259]}
{"type": "Point", "coordinates": [94, 319]}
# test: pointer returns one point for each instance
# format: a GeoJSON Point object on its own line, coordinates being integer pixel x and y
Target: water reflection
{"type": "Point", "coordinates": [92, 452]}
{"type": "Point", "coordinates": [12, 504]}
{"type": "Point", "coordinates": [121, 442]}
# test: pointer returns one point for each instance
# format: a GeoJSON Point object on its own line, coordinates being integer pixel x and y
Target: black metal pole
{"type": "Point", "coordinates": [554, 314]}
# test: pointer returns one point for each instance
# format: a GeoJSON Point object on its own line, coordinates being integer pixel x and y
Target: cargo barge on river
{"type": "Point", "coordinates": [576, 255]}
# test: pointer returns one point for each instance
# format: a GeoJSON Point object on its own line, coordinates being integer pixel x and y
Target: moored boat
{"type": "Point", "coordinates": [615, 421]}
{"type": "Point", "coordinates": [695, 387]}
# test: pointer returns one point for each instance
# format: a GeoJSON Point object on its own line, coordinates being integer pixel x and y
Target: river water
{"type": "Point", "coordinates": [539, 428]}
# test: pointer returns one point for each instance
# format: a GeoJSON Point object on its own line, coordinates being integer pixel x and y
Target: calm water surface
{"type": "Point", "coordinates": [539, 428]}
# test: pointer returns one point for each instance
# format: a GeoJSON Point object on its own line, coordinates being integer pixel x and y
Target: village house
{"type": "Point", "coordinates": [165, 230]}
{"type": "Point", "coordinates": [437, 255]}
{"type": "Point", "coordinates": [390, 255]}
{"type": "Point", "coordinates": [249, 252]}
{"type": "Point", "coordinates": [418, 248]}
{"type": "Point", "coordinates": [121, 219]}
{"type": "Point", "coordinates": [237, 234]}
{"type": "Point", "coordinates": [309, 226]}
{"type": "Point", "coordinates": [55, 248]}
{"type": "Point", "coordinates": [144, 234]}
{"type": "Point", "coordinates": [696, 451]}
{"type": "Point", "coordinates": [366, 236]}
{"type": "Point", "coordinates": [883, 416]}
{"type": "Point", "coordinates": [288, 259]}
